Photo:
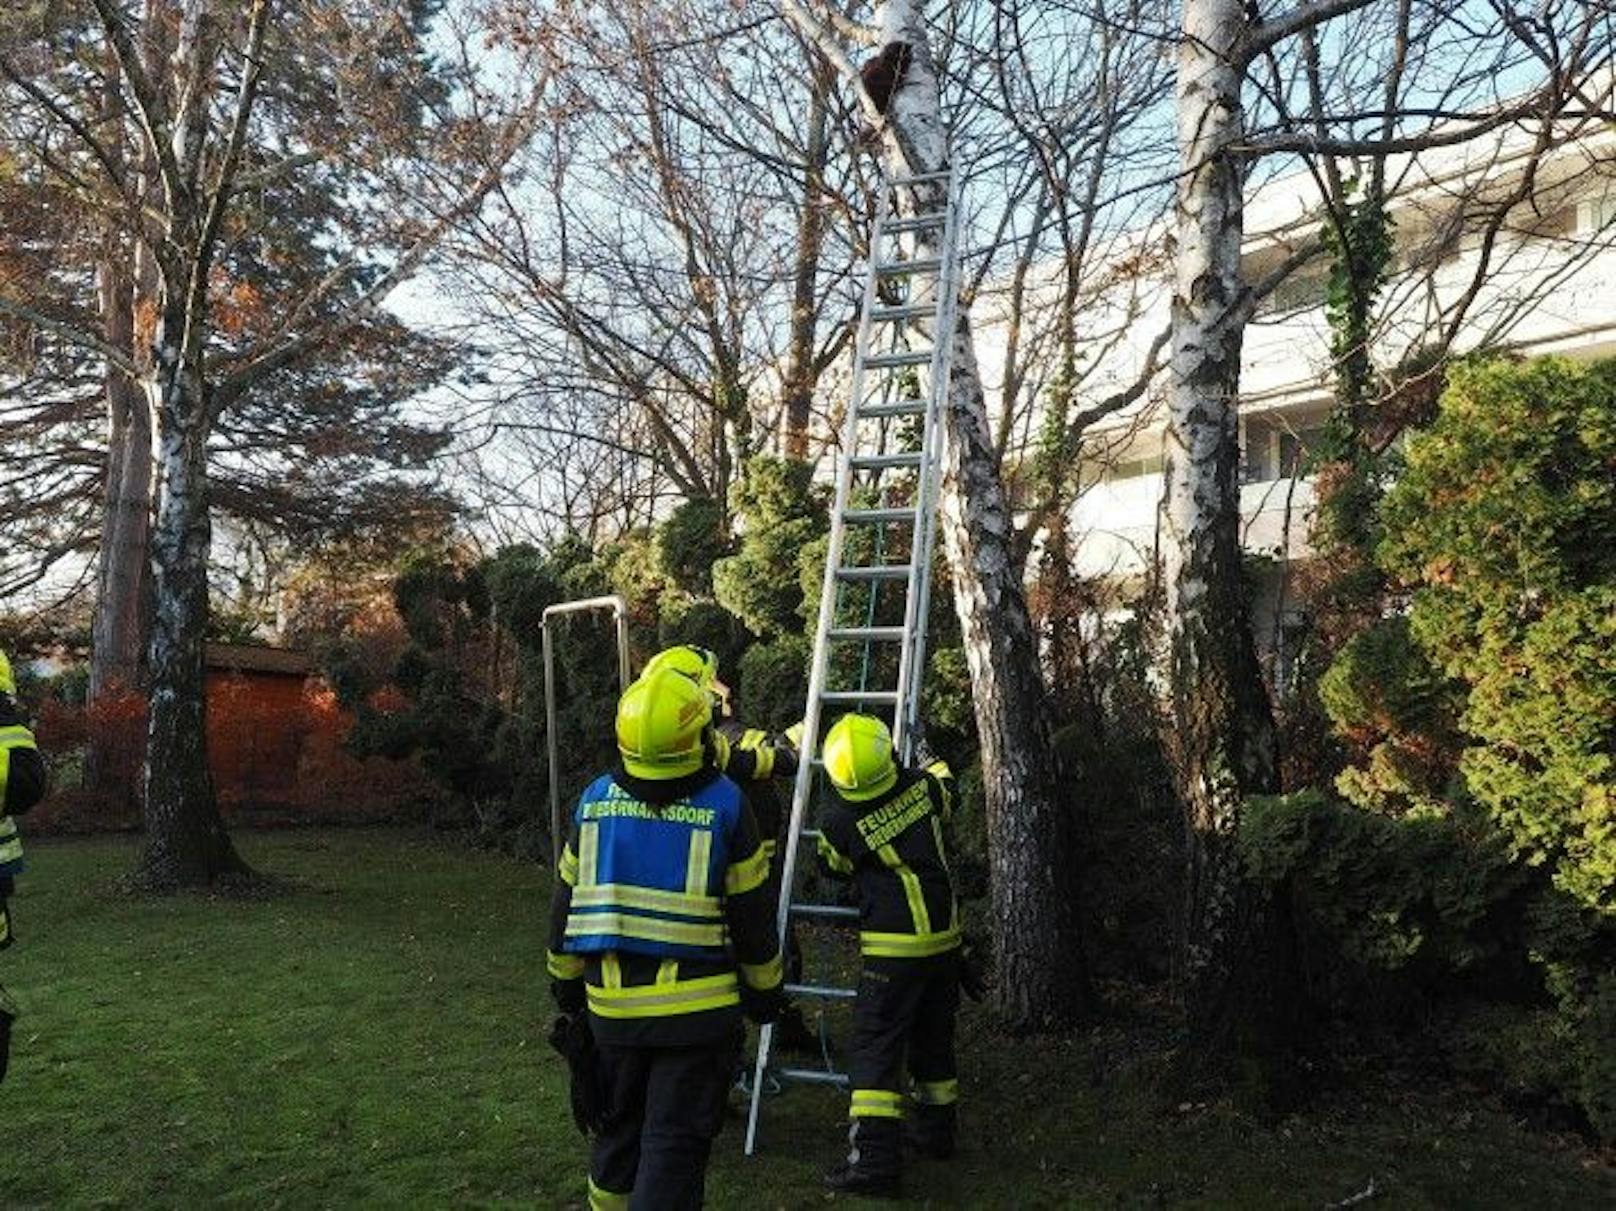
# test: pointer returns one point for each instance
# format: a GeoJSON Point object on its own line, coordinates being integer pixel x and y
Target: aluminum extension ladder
{"type": "Point", "coordinates": [907, 327]}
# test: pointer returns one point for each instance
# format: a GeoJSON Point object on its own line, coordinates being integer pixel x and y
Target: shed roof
{"type": "Point", "coordinates": [252, 658]}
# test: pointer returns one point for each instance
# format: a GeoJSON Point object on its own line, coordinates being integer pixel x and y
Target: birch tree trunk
{"type": "Point", "coordinates": [1040, 977]}
{"type": "Point", "coordinates": [186, 842]}
{"type": "Point", "coordinates": [183, 87]}
{"type": "Point", "coordinates": [1220, 734]}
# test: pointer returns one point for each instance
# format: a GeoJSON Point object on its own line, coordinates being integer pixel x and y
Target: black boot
{"type": "Point", "coordinates": [874, 1160]}
{"type": "Point", "coordinates": [929, 1131]}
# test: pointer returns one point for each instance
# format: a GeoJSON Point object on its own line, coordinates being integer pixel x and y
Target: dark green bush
{"type": "Point", "coordinates": [1131, 850]}
{"type": "Point", "coordinates": [774, 682]}
{"type": "Point", "coordinates": [1429, 922]}
{"type": "Point", "coordinates": [690, 542]}
{"type": "Point", "coordinates": [707, 624]}
{"type": "Point", "coordinates": [1504, 526]}
{"type": "Point", "coordinates": [783, 511]}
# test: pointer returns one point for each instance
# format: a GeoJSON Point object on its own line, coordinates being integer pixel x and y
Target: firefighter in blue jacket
{"type": "Point", "coordinates": [754, 759]}
{"type": "Point", "coordinates": [661, 924]}
{"type": "Point", "coordinates": [884, 830]}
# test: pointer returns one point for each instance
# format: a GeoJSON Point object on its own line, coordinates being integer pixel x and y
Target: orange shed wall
{"type": "Point", "coordinates": [257, 726]}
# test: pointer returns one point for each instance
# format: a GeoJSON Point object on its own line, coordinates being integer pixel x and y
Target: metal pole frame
{"type": "Point", "coordinates": [619, 608]}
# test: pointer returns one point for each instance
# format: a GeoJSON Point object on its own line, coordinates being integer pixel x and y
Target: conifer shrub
{"type": "Point", "coordinates": [774, 682]}
{"type": "Point", "coordinates": [1428, 924]}
{"type": "Point", "coordinates": [783, 511]}
{"type": "Point", "coordinates": [1398, 715]}
{"type": "Point", "coordinates": [690, 542]}
{"type": "Point", "coordinates": [1504, 527]}
{"type": "Point", "coordinates": [706, 624]}
{"type": "Point", "coordinates": [1481, 879]}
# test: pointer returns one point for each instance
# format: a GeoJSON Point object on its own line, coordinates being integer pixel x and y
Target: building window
{"type": "Point", "coordinates": [1551, 224]}
{"type": "Point", "coordinates": [1597, 214]}
{"type": "Point", "coordinates": [1294, 629]}
{"type": "Point", "coordinates": [1136, 468]}
{"type": "Point", "coordinates": [1301, 291]}
{"type": "Point", "coordinates": [1275, 449]}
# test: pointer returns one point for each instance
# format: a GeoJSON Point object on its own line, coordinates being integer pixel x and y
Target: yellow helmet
{"type": "Point", "coordinates": [697, 663]}
{"type": "Point", "coordinates": [858, 757]}
{"type": "Point", "coordinates": [8, 683]}
{"type": "Point", "coordinates": [662, 721]}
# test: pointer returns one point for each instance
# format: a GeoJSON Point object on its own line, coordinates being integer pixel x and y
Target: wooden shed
{"type": "Point", "coordinates": [258, 720]}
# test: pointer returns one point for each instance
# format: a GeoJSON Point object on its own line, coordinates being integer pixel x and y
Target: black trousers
{"type": "Point", "coordinates": [903, 1030]}
{"type": "Point", "coordinates": [665, 1108]}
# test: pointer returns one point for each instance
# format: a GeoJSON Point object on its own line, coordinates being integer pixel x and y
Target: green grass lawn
{"type": "Point", "coordinates": [376, 1038]}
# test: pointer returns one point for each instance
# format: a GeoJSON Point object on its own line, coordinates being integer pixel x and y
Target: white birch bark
{"type": "Point", "coordinates": [186, 842]}
{"type": "Point", "coordinates": [1220, 733]}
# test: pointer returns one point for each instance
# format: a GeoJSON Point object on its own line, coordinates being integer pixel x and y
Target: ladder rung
{"type": "Point", "coordinates": [889, 571]}
{"type": "Point", "coordinates": [892, 633]}
{"type": "Point", "coordinates": [921, 179]}
{"type": "Point", "coordinates": [908, 407]}
{"type": "Point", "coordinates": [827, 991]}
{"type": "Point", "coordinates": [826, 912]}
{"type": "Point", "coordinates": [874, 517]}
{"type": "Point", "coordinates": [854, 697]}
{"type": "Point", "coordinates": [813, 1076]}
{"type": "Point", "coordinates": [887, 361]}
{"type": "Point", "coordinates": [898, 269]}
{"type": "Point", "coordinates": [916, 222]}
{"type": "Point", "coordinates": [908, 311]}
{"type": "Point", "coordinates": [885, 462]}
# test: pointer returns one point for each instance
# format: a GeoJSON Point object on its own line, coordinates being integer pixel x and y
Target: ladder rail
{"type": "Point", "coordinates": [802, 788]}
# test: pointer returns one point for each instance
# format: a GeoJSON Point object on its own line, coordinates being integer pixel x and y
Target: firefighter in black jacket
{"type": "Point", "coordinates": [661, 924]}
{"type": "Point", "coordinates": [22, 784]}
{"type": "Point", "coordinates": [884, 830]}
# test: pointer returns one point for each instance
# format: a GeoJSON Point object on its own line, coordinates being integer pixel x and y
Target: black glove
{"type": "Point", "coordinates": [569, 995]}
{"type": "Point", "coordinates": [571, 1037]}
{"type": "Point", "coordinates": [763, 1007]}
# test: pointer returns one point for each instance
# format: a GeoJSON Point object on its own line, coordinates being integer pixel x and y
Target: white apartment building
{"type": "Point", "coordinates": [1549, 287]}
